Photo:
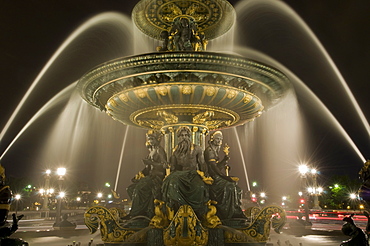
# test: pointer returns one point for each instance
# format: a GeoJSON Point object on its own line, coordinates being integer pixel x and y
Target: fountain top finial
{"type": "Point", "coordinates": [213, 17]}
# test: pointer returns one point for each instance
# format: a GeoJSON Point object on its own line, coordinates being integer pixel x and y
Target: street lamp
{"type": "Point", "coordinates": [61, 172]}
{"type": "Point", "coordinates": [47, 187]}
{"type": "Point", "coordinates": [316, 190]}
{"type": "Point", "coordinates": [62, 194]}
{"type": "Point", "coordinates": [17, 198]}
{"type": "Point", "coordinates": [263, 197]}
{"type": "Point", "coordinates": [303, 170]}
{"type": "Point", "coordinates": [283, 201]}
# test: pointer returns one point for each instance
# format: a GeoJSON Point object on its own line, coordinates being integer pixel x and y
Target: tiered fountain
{"type": "Point", "coordinates": [180, 85]}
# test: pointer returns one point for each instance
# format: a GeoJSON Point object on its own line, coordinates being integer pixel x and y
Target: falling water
{"type": "Point", "coordinates": [83, 138]}
{"type": "Point", "coordinates": [80, 128]}
{"type": "Point", "coordinates": [274, 28]}
{"type": "Point", "coordinates": [276, 142]}
{"type": "Point", "coordinates": [120, 159]}
{"type": "Point", "coordinates": [109, 21]}
{"type": "Point", "coordinates": [56, 100]}
{"type": "Point", "coordinates": [303, 89]}
{"type": "Point", "coordinates": [242, 159]}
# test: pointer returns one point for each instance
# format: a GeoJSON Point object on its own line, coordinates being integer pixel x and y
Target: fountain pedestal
{"type": "Point", "coordinates": [185, 228]}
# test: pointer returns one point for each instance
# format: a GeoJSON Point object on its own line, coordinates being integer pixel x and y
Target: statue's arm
{"type": "Point", "coordinates": [163, 164]}
{"type": "Point", "coordinates": [201, 162]}
{"type": "Point", "coordinates": [214, 166]}
{"type": "Point", "coordinates": [222, 164]}
{"type": "Point", "coordinates": [173, 163]}
{"type": "Point", "coordinates": [147, 168]}
{"type": "Point", "coordinates": [210, 159]}
{"type": "Point", "coordinates": [162, 155]}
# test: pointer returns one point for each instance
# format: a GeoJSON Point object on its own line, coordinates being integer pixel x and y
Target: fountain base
{"type": "Point", "coordinates": [185, 228]}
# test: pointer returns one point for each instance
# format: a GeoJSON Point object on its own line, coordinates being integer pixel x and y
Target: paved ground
{"type": "Point", "coordinates": [41, 233]}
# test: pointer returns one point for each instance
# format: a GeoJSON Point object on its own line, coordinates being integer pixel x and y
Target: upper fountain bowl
{"type": "Point", "coordinates": [207, 89]}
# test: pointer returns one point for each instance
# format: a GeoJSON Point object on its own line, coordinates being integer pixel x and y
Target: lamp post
{"type": "Point", "coordinates": [284, 201]}
{"type": "Point", "coordinates": [78, 201]}
{"type": "Point", "coordinates": [316, 190]}
{"type": "Point", "coordinates": [262, 198]}
{"type": "Point", "coordinates": [17, 198]}
{"type": "Point", "coordinates": [47, 187]}
{"type": "Point", "coordinates": [303, 170]}
{"type": "Point", "coordinates": [99, 196]}
{"type": "Point", "coordinates": [353, 198]}
{"type": "Point", "coordinates": [61, 172]}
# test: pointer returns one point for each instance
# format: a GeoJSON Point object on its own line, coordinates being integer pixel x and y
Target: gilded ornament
{"type": "Point", "coordinates": [168, 117]}
{"type": "Point", "coordinates": [207, 180]}
{"type": "Point", "coordinates": [259, 228]}
{"type": "Point", "coordinates": [186, 90]}
{"type": "Point", "coordinates": [2, 172]}
{"type": "Point", "coordinates": [203, 117]}
{"type": "Point", "coordinates": [123, 97]}
{"type": "Point", "coordinates": [210, 91]}
{"type": "Point", "coordinates": [212, 220]}
{"type": "Point", "coordinates": [247, 98]}
{"type": "Point", "coordinates": [110, 229]}
{"type": "Point", "coordinates": [161, 90]}
{"type": "Point", "coordinates": [141, 93]}
{"type": "Point", "coordinates": [185, 229]}
{"type": "Point", "coordinates": [231, 94]}
{"type": "Point", "coordinates": [159, 220]}
{"type": "Point", "coordinates": [216, 124]}
{"type": "Point", "coordinates": [139, 175]}
{"type": "Point", "coordinates": [152, 124]}
{"type": "Point", "coordinates": [112, 102]}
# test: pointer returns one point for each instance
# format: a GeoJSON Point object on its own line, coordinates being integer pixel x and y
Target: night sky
{"type": "Point", "coordinates": [31, 31]}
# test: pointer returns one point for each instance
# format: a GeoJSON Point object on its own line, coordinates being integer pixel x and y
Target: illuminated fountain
{"type": "Point", "coordinates": [184, 86]}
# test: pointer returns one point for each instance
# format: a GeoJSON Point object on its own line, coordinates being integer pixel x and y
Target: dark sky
{"type": "Point", "coordinates": [32, 30]}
